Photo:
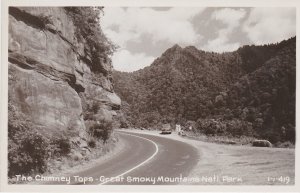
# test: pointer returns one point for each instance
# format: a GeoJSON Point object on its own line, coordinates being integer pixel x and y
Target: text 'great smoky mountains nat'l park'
{"type": "Point", "coordinates": [71, 114]}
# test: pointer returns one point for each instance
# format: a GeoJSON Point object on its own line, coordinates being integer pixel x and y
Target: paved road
{"type": "Point", "coordinates": [144, 159]}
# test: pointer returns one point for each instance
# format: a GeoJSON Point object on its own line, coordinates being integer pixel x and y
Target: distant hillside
{"type": "Point", "coordinates": [249, 92]}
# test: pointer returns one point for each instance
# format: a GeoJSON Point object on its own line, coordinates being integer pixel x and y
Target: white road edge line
{"type": "Point", "coordinates": [139, 165]}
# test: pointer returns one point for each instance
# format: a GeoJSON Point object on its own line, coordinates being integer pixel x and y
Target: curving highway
{"type": "Point", "coordinates": [145, 160]}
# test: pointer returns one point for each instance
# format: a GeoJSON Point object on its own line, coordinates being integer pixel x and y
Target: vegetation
{"type": "Point", "coordinates": [27, 149]}
{"type": "Point", "coordinates": [100, 130]}
{"type": "Point", "coordinates": [88, 31]}
{"type": "Point", "coordinates": [92, 143]}
{"type": "Point", "coordinates": [249, 92]}
{"type": "Point", "coordinates": [27, 154]}
{"type": "Point", "coordinates": [90, 109]}
{"type": "Point", "coordinates": [62, 146]}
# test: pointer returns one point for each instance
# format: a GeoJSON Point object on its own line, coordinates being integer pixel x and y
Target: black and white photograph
{"type": "Point", "coordinates": [150, 95]}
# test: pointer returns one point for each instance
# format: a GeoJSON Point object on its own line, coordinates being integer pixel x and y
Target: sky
{"type": "Point", "coordinates": [144, 33]}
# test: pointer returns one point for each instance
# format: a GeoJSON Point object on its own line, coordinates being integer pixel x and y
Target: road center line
{"type": "Point", "coordinates": [139, 165]}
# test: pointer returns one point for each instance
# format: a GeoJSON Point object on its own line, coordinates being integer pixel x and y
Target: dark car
{"type": "Point", "coordinates": [166, 129]}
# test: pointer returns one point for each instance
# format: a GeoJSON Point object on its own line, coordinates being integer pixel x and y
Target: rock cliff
{"type": "Point", "coordinates": [50, 75]}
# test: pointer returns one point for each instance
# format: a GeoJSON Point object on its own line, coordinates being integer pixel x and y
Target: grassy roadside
{"type": "Point", "coordinates": [230, 140]}
{"type": "Point", "coordinates": [254, 165]}
{"type": "Point", "coordinates": [243, 140]}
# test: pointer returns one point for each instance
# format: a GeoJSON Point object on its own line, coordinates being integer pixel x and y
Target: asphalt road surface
{"type": "Point", "coordinates": [145, 160]}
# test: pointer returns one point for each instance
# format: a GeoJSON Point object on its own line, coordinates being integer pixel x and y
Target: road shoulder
{"type": "Point", "coordinates": [238, 164]}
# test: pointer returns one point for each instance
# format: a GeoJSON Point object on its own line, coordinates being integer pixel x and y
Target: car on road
{"type": "Point", "coordinates": [166, 129]}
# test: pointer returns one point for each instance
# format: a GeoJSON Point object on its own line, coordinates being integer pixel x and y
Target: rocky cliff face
{"type": "Point", "coordinates": [49, 78]}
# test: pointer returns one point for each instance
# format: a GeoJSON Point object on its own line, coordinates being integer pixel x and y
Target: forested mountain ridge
{"type": "Point", "coordinates": [250, 91]}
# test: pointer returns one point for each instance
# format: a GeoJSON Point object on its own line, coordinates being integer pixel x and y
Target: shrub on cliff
{"type": "Point", "coordinates": [98, 46]}
{"type": "Point", "coordinates": [61, 145]}
{"type": "Point", "coordinates": [100, 129]}
{"type": "Point", "coordinates": [27, 149]}
{"type": "Point", "coordinates": [27, 153]}
{"type": "Point", "coordinates": [90, 110]}
{"type": "Point", "coordinates": [92, 143]}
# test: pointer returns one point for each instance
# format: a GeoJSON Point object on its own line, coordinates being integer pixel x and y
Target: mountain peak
{"type": "Point", "coordinates": [191, 48]}
{"type": "Point", "coordinates": [173, 49]}
{"type": "Point", "coordinates": [176, 46]}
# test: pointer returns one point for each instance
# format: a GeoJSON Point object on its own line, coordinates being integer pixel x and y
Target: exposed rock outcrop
{"type": "Point", "coordinates": [49, 78]}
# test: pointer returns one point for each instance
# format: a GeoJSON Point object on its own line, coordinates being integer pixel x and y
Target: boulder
{"type": "Point", "coordinates": [261, 143]}
{"type": "Point", "coordinates": [76, 156]}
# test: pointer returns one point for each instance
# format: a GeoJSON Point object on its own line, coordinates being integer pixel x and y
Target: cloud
{"type": "Point", "coordinates": [221, 44]}
{"type": "Point", "coordinates": [173, 25]}
{"type": "Point", "coordinates": [125, 61]}
{"type": "Point", "coordinates": [231, 19]}
{"type": "Point", "coordinates": [229, 16]}
{"type": "Point", "coordinates": [127, 25]}
{"type": "Point", "coordinates": [269, 25]}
